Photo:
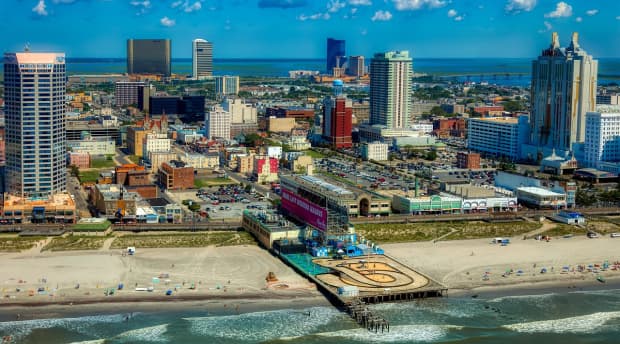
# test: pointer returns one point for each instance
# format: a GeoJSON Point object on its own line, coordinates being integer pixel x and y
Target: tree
{"type": "Point", "coordinates": [431, 155]}
{"type": "Point", "coordinates": [438, 111]}
{"type": "Point", "coordinates": [75, 171]}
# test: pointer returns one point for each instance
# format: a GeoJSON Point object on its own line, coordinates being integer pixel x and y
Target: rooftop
{"type": "Point", "coordinates": [539, 191]}
{"type": "Point", "coordinates": [506, 120]}
{"type": "Point", "coordinates": [325, 185]}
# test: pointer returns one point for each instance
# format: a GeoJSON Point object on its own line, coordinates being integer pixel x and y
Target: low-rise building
{"type": "Point", "coordinates": [176, 175]}
{"type": "Point", "coordinates": [295, 112]}
{"type": "Point", "coordinates": [468, 160]}
{"type": "Point", "coordinates": [298, 143]}
{"type": "Point", "coordinates": [93, 146]}
{"type": "Point", "coordinates": [158, 158]}
{"type": "Point", "coordinates": [376, 151]}
{"type": "Point", "coordinates": [79, 160]}
{"type": "Point", "coordinates": [303, 165]}
{"type": "Point", "coordinates": [156, 143]}
{"type": "Point", "coordinates": [200, 161]}
{"type": "Point", "coordinates": [427, 205]}
{"type": "Point", "coordinates": [269, 226]}
{"type": "Point", "coordinates": [245, 163]}
{"type": "Point", "coordinates": [114, 201]}
{"type": "Point", "coordinates": [541, 198]}
{"type": "Point", "coordinates": [265, 169]}
{"type": "Point", "coordinates": [58, 208]}
{"type": "Point", "coordinates": [280, 125]}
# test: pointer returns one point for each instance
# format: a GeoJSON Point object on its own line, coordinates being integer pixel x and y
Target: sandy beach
{"type": "Point", "coordinates": [227, 276]}
{"type": "Point", "coordinates": [463, 265]}
{"type": "Point", "coordinates": [216, 273]}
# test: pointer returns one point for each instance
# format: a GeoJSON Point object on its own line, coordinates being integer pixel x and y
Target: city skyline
{"type": "Point", "coordinates": [253, 28]}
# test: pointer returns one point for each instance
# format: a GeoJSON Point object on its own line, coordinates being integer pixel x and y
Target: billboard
{"type": "Point", "coordinates": [305, 210]}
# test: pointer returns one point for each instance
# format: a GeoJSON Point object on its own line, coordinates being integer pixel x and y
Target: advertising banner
{"type": "Point", "coordinates": [305, 210]}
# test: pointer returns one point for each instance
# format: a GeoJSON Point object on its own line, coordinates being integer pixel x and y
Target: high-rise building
{"type": "Point", "coordinates": [127, 92]}
{"type": "Point", "coordinates": [149, 56]}
{"type": "Point", "coordinates": [226, 85]}
{"type": "Point", "coordinates": [240, 111]}
{"type": "Point", "coordinates": [217, 123]}
{"type": "Point", "coordinates": [356, 66]}
{"type": "Point", "coordinates": [34, 90]}
{"type": "Point", "coordinates": [602, 142]}
{"type": "Point", "coordinates": [337, 118]}
{"type": "Point", "coordinates": [390, 89]}
{"type": "Point", "coordinates": [335, 54]}
{"type": "Point", "coordinates": [563, 91]}
{"type": "Point", "coordinates": [202, 58]}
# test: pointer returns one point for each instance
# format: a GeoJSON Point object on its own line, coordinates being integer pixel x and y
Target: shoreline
{"type": "Point", "coordinates": [212, 306]}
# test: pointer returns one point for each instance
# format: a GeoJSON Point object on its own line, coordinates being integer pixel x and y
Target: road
{"type": "Point", "coordinates": [73, 185]}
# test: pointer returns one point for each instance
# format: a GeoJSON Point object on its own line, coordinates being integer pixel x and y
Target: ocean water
{"type": "Point", "coordinates": [501, 71]}
{"type": "Point", "coordinates": [577, 317]}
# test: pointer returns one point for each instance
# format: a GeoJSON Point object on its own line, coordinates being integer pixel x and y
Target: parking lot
{"type": "Point", "coordinates": [221, 202]}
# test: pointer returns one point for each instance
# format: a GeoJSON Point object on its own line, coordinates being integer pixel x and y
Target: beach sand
{"type": "Point", "coordinates": [461, 265]}
{"type": "Point", "coordinates": [227, 276]}
{"type": "Point", "coordinates": [217, 273]}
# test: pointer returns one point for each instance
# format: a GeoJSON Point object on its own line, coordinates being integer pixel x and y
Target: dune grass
{"type": "Point", "coordinates": [202, 239]}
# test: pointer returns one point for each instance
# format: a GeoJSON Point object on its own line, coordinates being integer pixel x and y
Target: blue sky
{"type": "Point", "coordinates": [299, 28]}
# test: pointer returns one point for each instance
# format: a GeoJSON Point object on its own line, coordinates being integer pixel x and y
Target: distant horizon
{"type": "Point", "coordinates": [281, 28]}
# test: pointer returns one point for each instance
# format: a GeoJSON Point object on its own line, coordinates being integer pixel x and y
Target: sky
{"type": "Point", "coordinates": [299, 28]}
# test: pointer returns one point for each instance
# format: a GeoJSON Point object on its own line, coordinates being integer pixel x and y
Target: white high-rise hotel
{"type": "Point", "coordinates": [217, 123]}
{"type": "Point", "coordinates": [34, 90]}
{"type": "Point", "coordinates": [202, 58]}
{"type": "Point", "coordinates": [602, 146]}
{"type": "Point", "coordinates": [390, 89]}
{"type": "Point", "coordinates": [563, 91]}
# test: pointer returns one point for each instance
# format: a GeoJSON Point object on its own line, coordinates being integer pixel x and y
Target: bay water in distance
{"type": "Point", "coordinates": [500, 71]}
{"type": "Point", "coordinates": [575, 317]}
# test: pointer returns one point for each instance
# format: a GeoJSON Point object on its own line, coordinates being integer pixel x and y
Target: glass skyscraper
{"type": "Point", "coordinates": [34, 90]}
{"type": "Point", "coordinates": [563, 91]}
{"type": "Point", "coordinates": [149, 56]}
{"type": "Point", "coordinates": [335, 54]}
{"type": "Point", "coordinates": [202, 58]}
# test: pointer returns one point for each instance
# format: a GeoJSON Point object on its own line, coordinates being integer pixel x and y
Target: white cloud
{"type": "Point", "coordinates": [145, 3]}
{"type": "Point", "coordinates": [618, 18]}
{"type": "Point", "coordinates": [578, 19]}
{"type": "Point", "coordinates": [353, 10]}
{"type": "Point", "coordinates": [196, 6]}
{"type": "Point", "coordinates": [592, 12]}
{"type": "Point", "coordinates": [167, 22]}
{"type": "Point", "coordinates": [176, 4]}
{"type": "Point", "coordinates": [405, 5]}
{"type": "Point", "coordinates": [452, 13]}
{"type": "Point", "coordinates": [459, 18]}
{"type": "Point", "coordinates": [316, 16]}
{"type": "Point", "coordinates": [334, 6]}
{"type": "Point", "coordinates": [381, 16]}
{"type": "Point", "coordinates": [40, 8]}
{"type": "Point", "coordinates": [516, 6]}
{"type": "Point", "coordinates": [562, 9]}
{"type": "Point", "coordinates": [364, 32]}
{"type": "Point", "coordinates": [548, 27]}
{"type": "Point", "coordinates": [360, 2]}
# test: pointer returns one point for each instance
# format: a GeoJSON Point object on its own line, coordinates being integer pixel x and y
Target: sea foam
{"type": "Point", "coordinates": [589, 323]}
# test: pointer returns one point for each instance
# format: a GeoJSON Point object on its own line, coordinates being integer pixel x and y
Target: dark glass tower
{"type": "Point", "coordinates": [149, 56]}
{"type": "Point", "coordinates": [335, 52]}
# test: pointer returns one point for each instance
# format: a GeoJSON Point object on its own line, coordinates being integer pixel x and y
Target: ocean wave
{"type": "Point", "coordinates": [21, 329]}
{"type": "Point", "coordinates": [534, 297]}
{"type": "Point", "coordinates": [589, 323]}
{"type": "Point", "coordinates": [451, 308]}
{"type": "Point", "coordinates": [261, 326]}
{"type": "Point", "coordinates": [398, 333]}
{"type": "Point", "coordinates": [146, 334]}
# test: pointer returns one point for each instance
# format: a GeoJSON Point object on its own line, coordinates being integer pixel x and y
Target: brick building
{"type": "Point", "coordinates": [290, 112]}
{"type": "Point", "coordinates": [176, 175]}
{"type": "Point", "coordinates": [468, 160]}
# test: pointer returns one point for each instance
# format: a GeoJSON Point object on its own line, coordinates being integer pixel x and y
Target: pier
{"type": "Point", "coordinates": [352, 284]}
